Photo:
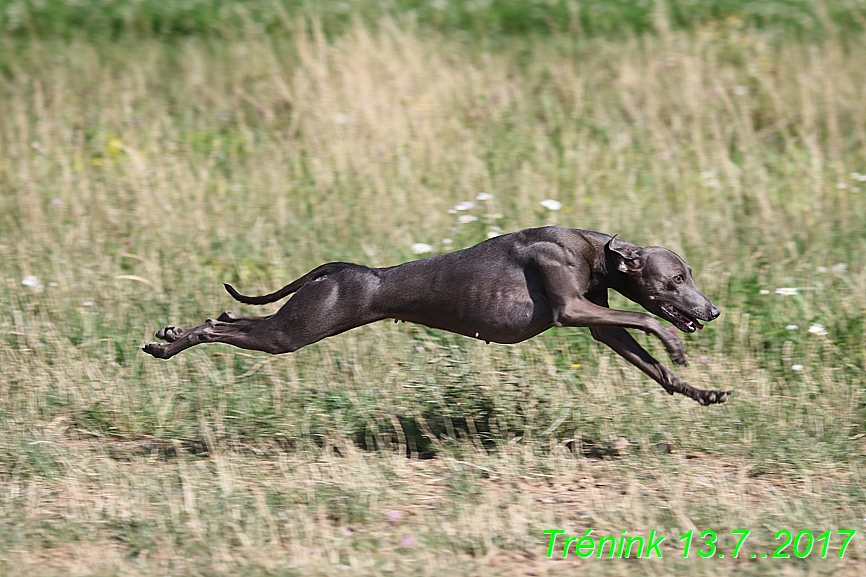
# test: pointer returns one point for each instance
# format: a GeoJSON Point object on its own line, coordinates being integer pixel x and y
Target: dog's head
{"type": "Point", "coordinates": [660, 281]}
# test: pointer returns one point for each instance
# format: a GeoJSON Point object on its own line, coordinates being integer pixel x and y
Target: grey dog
{"type": "Point", "coordinates": [506, 290]}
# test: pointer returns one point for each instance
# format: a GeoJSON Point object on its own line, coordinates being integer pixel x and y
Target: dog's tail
{"type": "Point", "coordinates": [315, 274]}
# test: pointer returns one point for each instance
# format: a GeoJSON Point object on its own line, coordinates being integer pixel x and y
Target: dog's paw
{"type": "Point", "coordinates": [714, 397]}
{"type": "Point", "coordinates": [155, 349]}
{"type": "Point", "coordinates": [169, 333]}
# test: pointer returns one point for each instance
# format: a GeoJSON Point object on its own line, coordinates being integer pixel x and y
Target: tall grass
{"type": "Point", "coordinates": [136, 177]}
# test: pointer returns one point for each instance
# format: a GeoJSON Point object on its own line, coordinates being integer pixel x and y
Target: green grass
{"type": "Point", "coordinates": [137, 176]}
{"type": "Point", "coordinates": [461, 18]}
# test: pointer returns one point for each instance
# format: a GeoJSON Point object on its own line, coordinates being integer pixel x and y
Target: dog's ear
{"type": "Point", "coordinates": [625, 255]}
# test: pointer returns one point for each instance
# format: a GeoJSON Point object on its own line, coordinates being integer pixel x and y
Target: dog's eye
{"type": "Point", "coordinates": [679, 278]}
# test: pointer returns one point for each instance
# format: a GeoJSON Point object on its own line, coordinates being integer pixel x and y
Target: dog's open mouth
{"type": "Point", "coordinates": [681, 319]}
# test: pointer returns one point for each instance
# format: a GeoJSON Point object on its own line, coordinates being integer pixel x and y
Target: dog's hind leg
{"type": "Point", "coordinates": [243, 335]}
{"type": "Point", "coordinates": [171, 333]}
{"type": "Point", "coordinates": [319, 309]}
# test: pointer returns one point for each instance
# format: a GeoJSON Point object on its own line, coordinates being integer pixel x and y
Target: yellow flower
{"type": "Point", "coordinates": [114, 147]}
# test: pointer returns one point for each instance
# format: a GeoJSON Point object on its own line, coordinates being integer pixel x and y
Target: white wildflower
{"type": "Point", "coordinates": [551, 204]}
{"type": "Point", "coordinates": [87, 304]}
{"type": "Point", "coordinates": [840, 268]}
{"type": "Point", "coordinates": [483, 196]}
{"type": "Point", "coordinates": [818, 329]}
{"type": "Point", "coordinates": [786, 291]}
{"type": "Point", "coordinates": [466, 218]}
{"type": "Point", "coordinates": [464, 206]}
{"type": "Point", "coordinates": [796, 367]}
{"type": "Point", "coordinates": [763, 292]}
{"type": "Point", "coordinates": [421, 248]}
{"type": "Point", "coordinates": [30, 280]}
{"type": "Point", "coordinates": [447, 241]}
{"type": "Point", "coordinates": [791, 328]}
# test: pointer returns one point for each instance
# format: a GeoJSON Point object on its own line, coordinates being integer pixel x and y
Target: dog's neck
{"type": "Point", "coordinates": [604, 274]}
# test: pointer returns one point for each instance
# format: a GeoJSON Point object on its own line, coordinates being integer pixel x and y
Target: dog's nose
{"type": "Point", "coordinates": [714, 313]}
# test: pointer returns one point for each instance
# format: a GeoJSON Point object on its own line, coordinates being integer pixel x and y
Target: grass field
{"type": "Point", "coordinates": [137, 175]}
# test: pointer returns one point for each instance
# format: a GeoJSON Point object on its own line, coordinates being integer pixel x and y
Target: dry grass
{"type": "Point", "coordinates": [137, 177]}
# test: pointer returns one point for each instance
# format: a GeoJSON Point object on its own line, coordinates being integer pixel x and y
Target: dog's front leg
{"type": "Point", "coordinates": [620, 341]}
{"type": "Point", "coordinates": [586, 313]}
